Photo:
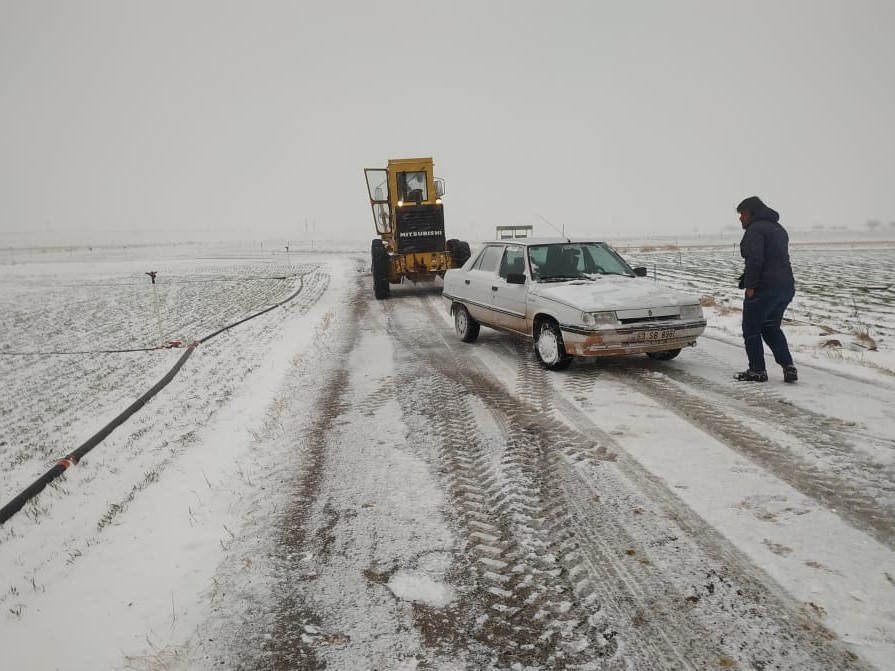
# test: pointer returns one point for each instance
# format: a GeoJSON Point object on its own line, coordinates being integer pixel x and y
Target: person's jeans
{"type": "Point", "coordinates": [762, 315]}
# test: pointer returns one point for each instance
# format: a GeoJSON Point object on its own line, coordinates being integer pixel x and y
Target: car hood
{"type": "Point", "coordinates": [612, 292]}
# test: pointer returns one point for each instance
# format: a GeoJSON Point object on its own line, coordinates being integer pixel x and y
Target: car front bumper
{"type": "Point", "coordinates": [635, 339]}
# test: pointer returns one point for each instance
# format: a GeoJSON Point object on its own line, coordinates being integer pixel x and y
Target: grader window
{"type": "Point", "coordinates": [382, 219]}
{"type": "Point", "coordinates": [412, 186]}
{"type": "Point", "coordinates": [377, 185]}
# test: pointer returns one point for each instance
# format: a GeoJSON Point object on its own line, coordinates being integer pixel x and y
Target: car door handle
{"type": "Point", "coordinates": [466, 281]}
{"type": "Point", "coordinates": [493, 288]}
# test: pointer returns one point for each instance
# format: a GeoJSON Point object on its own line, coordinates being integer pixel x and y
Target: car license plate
{"type": "Point", "coordinates": [655, 336]}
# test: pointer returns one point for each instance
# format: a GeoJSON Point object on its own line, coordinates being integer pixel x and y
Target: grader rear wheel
{"type": "Point", "coordinates": [459, 251]}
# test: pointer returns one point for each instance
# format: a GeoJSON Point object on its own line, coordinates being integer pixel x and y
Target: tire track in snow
{"type": "Point", "coordinates": [531, 614]}
{"type": "Point", "coordinates": [294, 618]}
{"type": "Point", "coordinates": [536, 445]}
{"type": "Point", "coordinates": [279, 627]}
{"type": "Point", "coordinates": [868, 508]}
{"type": "Point", "coordinates": [678, 593]}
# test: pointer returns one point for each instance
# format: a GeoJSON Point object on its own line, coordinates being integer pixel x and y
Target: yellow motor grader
{"type": "Point", "coordinates": [406, 200]}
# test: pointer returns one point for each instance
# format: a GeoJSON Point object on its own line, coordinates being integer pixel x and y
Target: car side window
{"type": "Point", "coordinates": [478, 260]}
{"type": "Point", "coordinates": [513, 262]}
{"type": "Point", "coordinates": [489, 259]}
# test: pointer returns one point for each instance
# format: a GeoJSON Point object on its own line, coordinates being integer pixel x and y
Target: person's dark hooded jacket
{"type": "Point", "coordinates": [765, 247]}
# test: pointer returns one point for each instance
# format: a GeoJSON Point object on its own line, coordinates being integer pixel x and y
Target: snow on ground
{"type": "Point", "coordinates": [781, 529]}
{"type": "Point", "coordinates": [155, 545]}
{"type": "Point", "coordinates": [163, 557]}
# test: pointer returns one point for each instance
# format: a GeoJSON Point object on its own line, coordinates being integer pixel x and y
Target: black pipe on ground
{"type": "Point", "coordinates": [67, 462]}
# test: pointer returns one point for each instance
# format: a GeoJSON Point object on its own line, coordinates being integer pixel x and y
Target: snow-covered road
{"type": "Point", "coordinates": [375, 494]}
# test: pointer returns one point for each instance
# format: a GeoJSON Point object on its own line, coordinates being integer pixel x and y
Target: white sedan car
{"type": "Point", "coordinates": [572, 298]}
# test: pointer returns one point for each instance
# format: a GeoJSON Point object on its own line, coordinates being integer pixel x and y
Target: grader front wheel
{"type": "Point", "coordinates": [380, 269]}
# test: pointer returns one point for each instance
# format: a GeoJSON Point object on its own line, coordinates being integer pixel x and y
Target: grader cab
{"type": "Point", "coordinates": [407, 209]}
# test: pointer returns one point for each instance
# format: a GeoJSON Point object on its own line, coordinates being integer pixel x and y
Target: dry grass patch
{"type": "Point", "coordinates": [723, 307]}
{"type": "Point", "coordinates": [863, 338]}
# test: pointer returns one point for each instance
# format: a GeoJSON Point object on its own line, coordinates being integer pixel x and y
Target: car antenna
{"type": "Point", "coordinates": [562, 232]}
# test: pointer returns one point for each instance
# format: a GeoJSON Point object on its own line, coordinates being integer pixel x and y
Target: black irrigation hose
{"type": "Point", "coordinates": [63, 464]}
{"type": "Point", "coordinates": [60, 466]}
{"type": "Point", "coordinates": [170, 283]}
{"type": "Point", "coordinates": [93, 351]}
{"type": "Point", "coordinates": [257, 314]}
{"type": "Point", "coordinates": [151, 349]}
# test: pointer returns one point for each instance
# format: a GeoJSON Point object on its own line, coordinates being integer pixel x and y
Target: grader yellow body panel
{"type": "Point", "coordinates": [406, 199]}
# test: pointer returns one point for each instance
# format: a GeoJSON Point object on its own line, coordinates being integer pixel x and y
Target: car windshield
{"type": "Point", "coordinates": [575, 260]}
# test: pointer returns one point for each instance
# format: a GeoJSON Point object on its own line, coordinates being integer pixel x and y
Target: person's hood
{"type": "Point", "coordinates": [766, 214]}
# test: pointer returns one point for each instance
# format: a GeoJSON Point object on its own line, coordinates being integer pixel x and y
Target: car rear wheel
{"type": "Point", "coordinates": [467, 327]}
{"type": "Point", "coordinates": [664, 355]}
{"type": "Point", "coordinates": [549, 348]}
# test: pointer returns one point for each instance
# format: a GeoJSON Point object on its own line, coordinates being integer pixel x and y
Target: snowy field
{"type": "Point", "coordinates": [84, 334]}
{"type": "Point", "coordinates": [117, 564]}
{"type": "Point", "coordinates": [844, 304]}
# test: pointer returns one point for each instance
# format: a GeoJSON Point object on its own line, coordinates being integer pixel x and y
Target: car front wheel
{"type": "Point", "coordinates": [664, 355]}
{"type": "Point", "coordinates": [549, 348]}
{"type": "Point", "coordinates": [467, 327]}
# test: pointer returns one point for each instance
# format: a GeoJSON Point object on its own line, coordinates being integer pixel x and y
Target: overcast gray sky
{"type": "Point", "coordinates": [607, 117]}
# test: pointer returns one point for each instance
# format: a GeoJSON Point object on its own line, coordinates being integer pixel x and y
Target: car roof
{"type": "Point", "coordinates": [529, 242]}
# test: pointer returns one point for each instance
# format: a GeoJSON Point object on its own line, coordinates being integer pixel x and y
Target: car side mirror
{"type": "Point", "coordinates": [640, 271]}
{"type": "Point", "coordinates": [516, 278]}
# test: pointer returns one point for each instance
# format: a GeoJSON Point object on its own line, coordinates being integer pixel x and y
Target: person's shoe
{"type": "Point", "coordinates": [752, 376]}
{"type": "Point", "coordinates": [790, 374]}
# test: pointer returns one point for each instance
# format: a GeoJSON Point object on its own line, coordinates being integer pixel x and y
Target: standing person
{"type": "Point", "coordinates": [769, 286]}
